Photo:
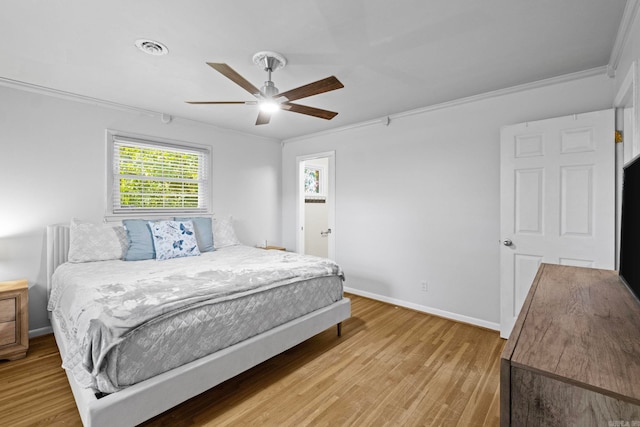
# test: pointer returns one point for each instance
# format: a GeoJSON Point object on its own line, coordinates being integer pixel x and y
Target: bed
{"type": "Point", "coordinates": [127, 362]}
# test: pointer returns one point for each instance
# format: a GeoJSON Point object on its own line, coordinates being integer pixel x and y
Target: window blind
{"type": "Point", "coordinates": [159, 177]}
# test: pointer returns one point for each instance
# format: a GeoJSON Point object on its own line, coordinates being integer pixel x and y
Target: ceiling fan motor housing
{"type": "Point", "coordinates": [269, 90]}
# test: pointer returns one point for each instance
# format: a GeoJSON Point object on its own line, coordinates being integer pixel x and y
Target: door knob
{"type": "Point", "coordinates": [507, 242]}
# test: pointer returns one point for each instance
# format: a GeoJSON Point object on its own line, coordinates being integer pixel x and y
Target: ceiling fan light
{"type": "Point", "coordinates": [269, 106]}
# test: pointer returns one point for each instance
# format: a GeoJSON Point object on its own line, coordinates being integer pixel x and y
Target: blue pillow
{"type": "Point", "coordinates": [174, 239]}
{"type": "Point", "coordinates": [140, 240]}
{"type": "Point", "coordinates": [204, 232]}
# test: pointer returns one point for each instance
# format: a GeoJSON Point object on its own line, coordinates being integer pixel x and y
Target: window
{"type": "Point", "coordinates": [147, 176]}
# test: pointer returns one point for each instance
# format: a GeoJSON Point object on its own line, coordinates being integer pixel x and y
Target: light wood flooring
{"type": "Point", "coordinates": [392, 366]}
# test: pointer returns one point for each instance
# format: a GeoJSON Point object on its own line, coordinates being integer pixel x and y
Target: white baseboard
{"type": "Point", "coordinates": [40, 331]}
{"type": "Point", "coordinates": [426, 309]}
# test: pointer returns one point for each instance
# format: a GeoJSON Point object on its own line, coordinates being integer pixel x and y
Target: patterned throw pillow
{"type": "Point", "coordinates": [90, 242]}
{"type": "Point", "coordinates": [204, 231]}
{"type": "Point", "coordinates": [173, 239]}
{"type": "Point", "coordinates": [223, 233]}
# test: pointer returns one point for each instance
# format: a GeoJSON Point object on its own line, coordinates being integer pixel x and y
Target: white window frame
{"type": "Point", "coordinates": [114, 136]}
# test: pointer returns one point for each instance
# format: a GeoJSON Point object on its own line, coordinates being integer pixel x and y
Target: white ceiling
{"type": "Point", "coordinates": [392, 56]}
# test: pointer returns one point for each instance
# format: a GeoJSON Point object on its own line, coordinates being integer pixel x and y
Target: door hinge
{"type": "Point", "coordinates": [618, 137]}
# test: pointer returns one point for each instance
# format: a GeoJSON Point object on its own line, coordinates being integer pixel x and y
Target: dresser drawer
{"type": "Point", "coordinates": [7, 310]}
{"type": "Point", "coordinates": [14, 319]}
{"type": "Point", "coordinates": [7, 333]}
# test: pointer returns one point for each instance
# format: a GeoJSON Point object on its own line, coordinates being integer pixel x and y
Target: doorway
{"type": "Point", "coordinates": [316, 205]}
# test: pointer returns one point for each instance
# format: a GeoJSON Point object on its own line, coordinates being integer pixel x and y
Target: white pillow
{"type": "Point", "coordinates": [96, 242]}
{"type": "Point", "coordinates": [223, 233]}
{"type": "Point", "coordinates": [174, 239]}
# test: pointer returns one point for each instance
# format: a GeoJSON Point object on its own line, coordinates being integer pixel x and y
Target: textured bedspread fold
{"type": "Point", "coordinates": [98, 304]}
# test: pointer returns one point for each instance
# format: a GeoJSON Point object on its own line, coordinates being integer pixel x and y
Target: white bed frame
{"type": "Point", "coordinates": [151, 397]}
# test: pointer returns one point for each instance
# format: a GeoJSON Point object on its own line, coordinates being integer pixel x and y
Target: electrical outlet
{"type": "Point", "coordinates": [424, 286]}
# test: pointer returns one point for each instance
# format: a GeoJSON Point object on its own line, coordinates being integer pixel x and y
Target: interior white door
{"type": "Point", "coordinates": [557, 184]}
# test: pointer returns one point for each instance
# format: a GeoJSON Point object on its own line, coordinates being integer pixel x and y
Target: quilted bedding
{"type": "Point", "coordinates": [124, 322]}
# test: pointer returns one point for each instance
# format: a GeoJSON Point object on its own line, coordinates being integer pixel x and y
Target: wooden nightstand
{"type": "Point", "coordinates": [14, 319]}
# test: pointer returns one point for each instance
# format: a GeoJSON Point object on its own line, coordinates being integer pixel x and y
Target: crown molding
{"type": "Point", "coordinates": [387, 120]}
{"type": "Point", "coordinates": [624, 30]}
{"type": "Point", "coordinates": [70, 96]}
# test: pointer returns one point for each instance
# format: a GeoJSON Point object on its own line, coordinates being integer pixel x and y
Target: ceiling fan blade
{"type": "Point", "coordinates": [263, 118]}
{"type": "Point", "coordinates": [222, 102]}
{"type": "Point", "coordinates": [232, 75]}
{"type": "Point", "coordinates": [309, 111]}
{"type": "Point", "coordinates": [321, 86]}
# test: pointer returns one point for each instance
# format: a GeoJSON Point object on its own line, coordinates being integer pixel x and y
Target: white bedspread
{"type": "Point", "coordinates": [97, 304]}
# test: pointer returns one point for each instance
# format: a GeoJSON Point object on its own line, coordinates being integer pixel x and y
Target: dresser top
{"type": "Point", "coordinates": [582, 326]}
{"type": "Point", "coordinates": [13, 285]}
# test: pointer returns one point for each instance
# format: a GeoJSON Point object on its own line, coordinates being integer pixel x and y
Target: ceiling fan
{"type": "Point", "coordinates": [268, 97]}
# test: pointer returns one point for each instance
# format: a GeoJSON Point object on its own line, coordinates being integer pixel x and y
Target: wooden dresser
{"type": "Point", "coordinates": [14, 319]}
{"type": "Point", "coordinates": [573, 357]}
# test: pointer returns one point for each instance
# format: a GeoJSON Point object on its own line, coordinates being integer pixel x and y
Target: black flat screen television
{"type": "Point", "coordinates": [630, 228]}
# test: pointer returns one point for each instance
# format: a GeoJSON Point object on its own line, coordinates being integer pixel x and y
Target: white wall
{"type": "Point", "coordinates": [420, 199]}
{"type": "Point", "coordinates": [52, 168]}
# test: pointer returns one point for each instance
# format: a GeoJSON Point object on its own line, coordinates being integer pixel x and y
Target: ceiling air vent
{"type": "Point", "coordinates": [152, 47]}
